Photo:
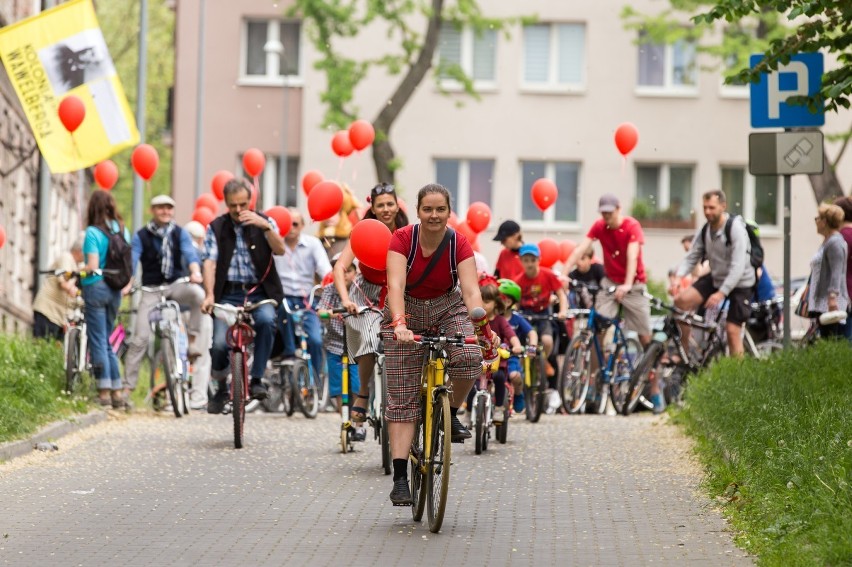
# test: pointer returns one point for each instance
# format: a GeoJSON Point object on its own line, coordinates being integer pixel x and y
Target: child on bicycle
{"type": "Point", "coordinates": [590, 274]}
{"type": "Point", "coordinates": [510, 295]}
{"type": "Point", "coordinates": [538, 285]}
{"type": "Point", "coordinates": [488, 288]}
{"type": "Point", "coordinates": [333, 342]}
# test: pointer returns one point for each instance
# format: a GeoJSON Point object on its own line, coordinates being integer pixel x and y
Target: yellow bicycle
{"type": "Point", "coordinates": [430, 450]}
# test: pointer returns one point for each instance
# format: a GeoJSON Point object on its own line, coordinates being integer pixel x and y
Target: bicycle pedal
{"type": "Point", "coordinates": [403, 504]}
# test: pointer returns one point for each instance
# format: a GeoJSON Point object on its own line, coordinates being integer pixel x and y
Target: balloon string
{"type": "Point", "coordinates": [623, 165]}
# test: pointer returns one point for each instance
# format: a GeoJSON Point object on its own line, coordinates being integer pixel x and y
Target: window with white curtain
{"type": "Point", "coordinates": [663, 192]}
{"type": "Point", "coordinates": [668, 68]}
{"type": "Point", "coordinates": [468, 181]}
{"type": "Point", "coordinates": [271, 52]}
{"type": "Point", "coordinates": [474, 52]}
{"type": "Point", "coordinates": [566, 176]}
{"type": "Point", "coordinates": [554, 56]}
{"type": "Point", "coordinates": [753, 197]}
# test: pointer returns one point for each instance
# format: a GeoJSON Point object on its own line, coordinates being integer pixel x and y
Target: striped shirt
{"type": "Point", "coordinates": [241, 268]}
{"type": "Point", "coordinates": [333, 339]}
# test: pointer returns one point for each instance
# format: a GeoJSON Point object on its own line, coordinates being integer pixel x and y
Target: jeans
{"type": "Point", "coordinates": [335, 376]}
{"type": "Point", "coordinates": [311, 325]}
{"type": "Point", "coordinates": [102, 302]}
{"type": "Point", "coordinates": [264, 328]}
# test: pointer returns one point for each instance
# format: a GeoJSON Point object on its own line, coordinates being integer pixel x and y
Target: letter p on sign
{"type": "Point", "coordinates": [801, 76]}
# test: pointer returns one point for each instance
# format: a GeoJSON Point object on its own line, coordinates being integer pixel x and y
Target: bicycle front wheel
{"type": "Point", "coordinates": [576, 375]}
{"type": "Point", "coordinates": [417, 458]}
{"type": "Point", "coordinates": [288, 398]}
{"type": "Point", "coordinates": [166, 363]}
{"type": "Point", "coordinates": [641, 375]}
{"type": "Point", "coordinates": [479, 425]}
{"type": "Point", "coordinates": [238, 398]}
{"type": "Point", "coordinates": [72, 360]}
{"type": "Point", "coordinates": [438, 475]}
{"type": "Point", "coordinates": [384, 437]}
{"type": "Point", "coordinates": [307, 390]}
{"type": "Point", "coordinates": [627, 356]}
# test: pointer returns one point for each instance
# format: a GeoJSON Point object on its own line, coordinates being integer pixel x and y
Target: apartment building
{"type": "Point", "coordinates": [551, 97]}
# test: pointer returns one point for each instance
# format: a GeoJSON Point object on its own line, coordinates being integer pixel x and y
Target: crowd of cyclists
{"type": "Point", "coordinates": [432, 282]}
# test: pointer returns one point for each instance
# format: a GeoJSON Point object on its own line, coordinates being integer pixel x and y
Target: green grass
{"type": "Point", "coordinates": [776, 439]}
{"type": "Point", "coordinates": [31, 387]}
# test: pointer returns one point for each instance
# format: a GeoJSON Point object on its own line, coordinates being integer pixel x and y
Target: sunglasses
{"type": "Point", "coordinates": [382, 188]}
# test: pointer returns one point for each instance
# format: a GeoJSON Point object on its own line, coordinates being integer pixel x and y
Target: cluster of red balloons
{"type": "Point", "coordinates": [359, 135]}
{"type": "Point", "coordinates": [552, 251]}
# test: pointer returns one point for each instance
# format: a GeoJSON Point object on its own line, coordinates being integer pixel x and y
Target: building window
{"type": "Point", "coordinates": [271, 52]}
{"type": "Point", "coordinates": [275, 189]}
{"type": "Point", "coordinates": [664, 193]}
{"type": "Point", "coordinates": [753, 197]}
{"type": "Point", "coordinates": [472, 52]}
{"type": "Point", "coordinates": [554, 56]}
{"type": "Point", "coordinates": [566, 175]}
{"type": "Point", "coordinates": [468, 181]}
{"type": "Point", "coordinates": [667, 67]}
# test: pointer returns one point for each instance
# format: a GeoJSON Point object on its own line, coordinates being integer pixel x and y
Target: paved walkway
{"type": "Point", "coordinates": [151, 490]}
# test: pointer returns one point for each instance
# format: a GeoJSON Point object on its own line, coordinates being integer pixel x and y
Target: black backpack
{"type": "Point", "coordinates": [755, 252]}
{"type": "Point", "coordinates": [118, 259]}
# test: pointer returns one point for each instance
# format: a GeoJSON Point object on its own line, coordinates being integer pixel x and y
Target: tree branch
{"type": "Point", "coordinates": [842, 149]}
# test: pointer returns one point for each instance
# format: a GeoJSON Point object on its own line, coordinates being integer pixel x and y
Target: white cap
{"type": "Point", "coordinates": [195, 229]}
{"type": "Point", "coordinates": [162, 200]}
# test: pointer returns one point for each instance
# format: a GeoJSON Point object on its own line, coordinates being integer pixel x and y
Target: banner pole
{"type": "Point", "coordinates": [141, 86]}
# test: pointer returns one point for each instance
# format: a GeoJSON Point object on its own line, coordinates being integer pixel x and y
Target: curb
{"type": "Point", "coordinates": [50, 432]}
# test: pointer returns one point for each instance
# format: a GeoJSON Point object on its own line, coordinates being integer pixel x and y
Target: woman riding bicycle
{"type": "Point", "coordinates": [368, 290]}
{"type": "Point", "coordinates": [425, 293]}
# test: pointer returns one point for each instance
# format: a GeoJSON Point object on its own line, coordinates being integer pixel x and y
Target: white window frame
{"type": "Point", "coordinates": [468, 35]}
{"type": "Point", "coordinates": [549, 219]}
{"type": "Point", "coordinates": [668, 88]}
{"type": "Point", "coordinates": [664, 185]}
{"type": "Point", "coordinates": [463, 183]}
{"type": "Point", "coordinates": [271, 78]}
{"type": "Point", "coordinates": [750, 198]}
{"type": "Point", "coordinates": [552, 86]}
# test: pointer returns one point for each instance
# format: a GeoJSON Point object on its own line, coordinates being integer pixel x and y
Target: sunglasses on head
{"type": "Point", "coordinates": [382, 188]}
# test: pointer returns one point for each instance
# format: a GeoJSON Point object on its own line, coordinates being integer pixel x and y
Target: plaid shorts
{"type": "Point", "coordinates": [404, 362]}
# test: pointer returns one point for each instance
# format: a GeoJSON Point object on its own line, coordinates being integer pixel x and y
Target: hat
{"type": "Point", "coordinates": [195, 229]}
{"type": "Point", "coordinates": [162, 200]}
{"type": "Point", "coordinates": [608, 203]}
{"type": "Point", "coordinates": [530, 249]}
{"type": "Point", "coordinates": [507, 229]}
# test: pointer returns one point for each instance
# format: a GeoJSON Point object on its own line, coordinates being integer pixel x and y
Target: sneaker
{"type": "Point", "coordinates": [216, 404]}
{"type": "Point", "coordinates": [459, 431]}
{"type": "Point", "coordinates": [259, 391]}
{"type": "Point", "coordinates": [519, 405]}
{"type": "Point", "coordinates": [359, 434]}
{"type": "Point", "coordinates": [499, 415]}
{"type": "Point", "coordinates": [401, 495]}
{"type": "Point", "coordinates": [659, 403]}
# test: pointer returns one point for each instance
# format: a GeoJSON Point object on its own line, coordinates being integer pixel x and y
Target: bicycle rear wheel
{"type": "Point", "coordinates": [166, 362]}
{"type": "Point", "coordinates": [288, 401]}
{"type": "Point", "coordinates": [417, 458]}
{"type": "Point", "coordinates": [576, 375]}
{"type": "Point", "coordinates": [72, 360]}
{"type": "Point", "coordinates": [627, 355]}
{"type": "Point", "coordinates": [238, 379]}
{"type": "Point", "coordinates": [641, 375]}
{"type": "Point", "coordinates": [438, 475]}
{"type": "Point", "coordinates": [307, 389]}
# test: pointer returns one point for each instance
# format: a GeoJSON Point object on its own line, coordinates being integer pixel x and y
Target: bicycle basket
{"type": "Point", "coordinates": [226, 313]}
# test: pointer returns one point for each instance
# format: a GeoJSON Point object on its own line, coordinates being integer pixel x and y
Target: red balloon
{"type": "Point", "coordinates": [203, 215]}
{"type": "Point", "coordinates": [478, 216]}
{"type": "Point", "coordinates": [207, 201]}
{"type": "Point", "coordinates": [341, 145]}
{"type": "Point", "coordinates": [253, 162]}
{"type": "Point", "coordinates": [356, 215]}
{"type": "Point", "coordinates": [469, 233]}
{"type": "Point", "coordinates": [544, 193]}
{"type": "Point", "coordinates": [309, 179]}
{"type": "Point", "coordinates": [282, 218]}
{"type": "Point", "coordinates": [145, 161]}
{"type": "Point", "coordinates": [72, 111]}
{"type": "Point", "coordinates": [370, 240]}
{"type": "Point", "coordinates": [218, 184]}
{"type": "Point", "coordinates": [106, 174]}
{"type": "Point", "coordinates": [565, 249]}
{"type": "Point", "coordinates": [325, 200]}
{"type": "Point", "coordinates": [453, 221]}
{"type": "Point", "coordinates": [626, 137]}
{"type": "Point", "coordinates": [2, 236]}
{"type": "Point", "coordinates": [361, 134]}
{"type": "Point", "coordinates": [549, 252]}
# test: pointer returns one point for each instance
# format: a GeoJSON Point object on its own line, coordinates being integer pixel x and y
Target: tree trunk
{"type": "Point", "coordinates": [826, 186]}
{"type": "Point", "coordinates": [383, 153]}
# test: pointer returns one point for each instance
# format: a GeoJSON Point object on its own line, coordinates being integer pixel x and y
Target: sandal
{"type": "Point", "coordinates": [358, 414]}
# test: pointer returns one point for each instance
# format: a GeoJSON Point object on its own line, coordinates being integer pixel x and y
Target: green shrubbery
{"type": "Point", "coordinates": [776, 437]}
{"type": "Point", "coordinates": [31, 386]}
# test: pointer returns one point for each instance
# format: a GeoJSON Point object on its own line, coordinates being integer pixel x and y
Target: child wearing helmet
{"type": "Point", "coordinates": [510, 295]}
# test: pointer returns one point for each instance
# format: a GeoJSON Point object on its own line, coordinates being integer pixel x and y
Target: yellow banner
{"type": "Point", "coordinates": [58, 53]}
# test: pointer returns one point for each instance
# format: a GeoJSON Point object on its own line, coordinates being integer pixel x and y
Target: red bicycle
{"type": "Point", "coordinates": [240, 336]}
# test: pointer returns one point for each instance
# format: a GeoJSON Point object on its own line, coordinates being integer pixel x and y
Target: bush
{"type": "Point", "coordinates": [776, 436]}
{"type": "Point", "coordinates": [31, 386]}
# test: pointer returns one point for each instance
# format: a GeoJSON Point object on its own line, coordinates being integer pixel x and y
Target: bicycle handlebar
{"type": "Point", "coordinates": [159, 288]}
{"type": "Point", "coordinates": [336, 311]}
{"type": "Point", "coordinates": [68, 274]}
{"type": "Point", "coordinates": [457, 340]}
{"type": "Point", "coordinates": [308, 304]}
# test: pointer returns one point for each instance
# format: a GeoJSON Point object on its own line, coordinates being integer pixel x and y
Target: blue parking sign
{"type": "Point", "coordinates": [801, 76]}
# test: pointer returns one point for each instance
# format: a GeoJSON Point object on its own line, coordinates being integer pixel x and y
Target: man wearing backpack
{"type": "Point", "coordinates": [726, 244]}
